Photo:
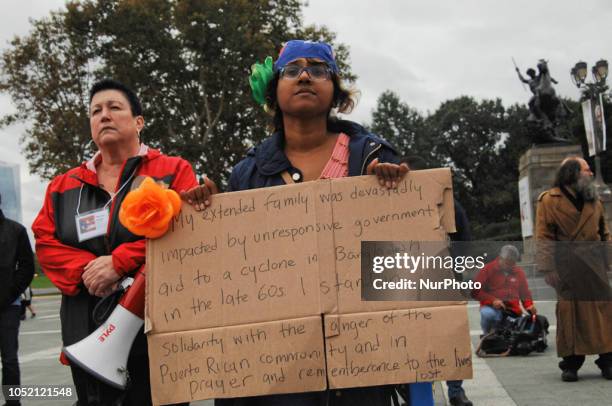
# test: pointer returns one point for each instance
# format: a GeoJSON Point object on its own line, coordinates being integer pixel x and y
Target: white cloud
{"type": "Point", "coordinates": [444, 49]}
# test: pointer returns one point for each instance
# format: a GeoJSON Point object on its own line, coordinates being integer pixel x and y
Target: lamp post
{"type": "Point", "coordinates": [593, 113]}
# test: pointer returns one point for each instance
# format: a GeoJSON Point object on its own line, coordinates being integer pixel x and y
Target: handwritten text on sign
{"type": "Point", "coordinates": [279, 252]}
{"type": "Point", "coordinates": [280, 357]}
{"type": "Point", "coordinates": [388, 347]}
{"type": "Point", "coordinates": [236, 294]}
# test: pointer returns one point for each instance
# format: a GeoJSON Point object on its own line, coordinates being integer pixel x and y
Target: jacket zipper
{"type": "Point", "coordinates": [112, 205]}
{"type": "Point", "coordinates": [379, 146]}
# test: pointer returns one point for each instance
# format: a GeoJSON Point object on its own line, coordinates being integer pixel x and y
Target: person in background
{"type": "Point", "coordinates": [16, 272]}
{"type": "Point", "coordinates": [504, 288]}
{"type": "Point", "coordinates": [26, 302]}
{"type": "Point", "coordinates": [571, 218]}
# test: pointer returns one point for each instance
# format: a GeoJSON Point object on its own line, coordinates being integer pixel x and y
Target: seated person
{"type": "Point", "coordinates": [503, 287]}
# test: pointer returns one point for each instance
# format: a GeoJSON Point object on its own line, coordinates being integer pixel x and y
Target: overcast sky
{"type": "Point", "coordinates": [427, 52]}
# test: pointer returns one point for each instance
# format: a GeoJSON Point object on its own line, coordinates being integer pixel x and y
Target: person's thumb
{"type": "Point", "coordinates": [371, 166]}
{"type": "Point", "coordinates": [212, 186]}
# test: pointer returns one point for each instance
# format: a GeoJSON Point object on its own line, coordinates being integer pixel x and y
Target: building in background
{"type": "Point", "coordinates": [10, 188]}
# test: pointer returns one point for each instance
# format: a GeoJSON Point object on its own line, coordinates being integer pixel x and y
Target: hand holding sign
{"type": "Point", "coordinates": [200, 196]}
{"type": "Point", "coordinates": [388, 174]}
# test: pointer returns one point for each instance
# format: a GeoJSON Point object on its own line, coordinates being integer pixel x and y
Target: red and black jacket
{"type": "Point", "coordinates": [61, 255]}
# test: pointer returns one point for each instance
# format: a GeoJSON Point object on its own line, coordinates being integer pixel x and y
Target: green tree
{"type": "Point", "coordinates": [46, 74]}
{"type": "Point", "coordinates": [482, 142]}
{"type": "Point", "coordinates": [479, 141]}
{"type": "Point", "coordinates": [188, 59]}
{"type": "Point", "coordinates": [403, 126]}
{"type": "Point", "coordinates": [470, 138]}
{"type": "Point", "coordinates": [516, 141]}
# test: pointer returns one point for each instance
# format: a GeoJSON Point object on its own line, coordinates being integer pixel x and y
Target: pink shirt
{"type": "Point", "coordinates": [337, 166]}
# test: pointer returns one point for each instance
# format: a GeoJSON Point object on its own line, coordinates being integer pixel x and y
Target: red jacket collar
{"type": "Point", "coordinates": [144, 151]}
{"type": "Point", "coordinates": [87, 171]}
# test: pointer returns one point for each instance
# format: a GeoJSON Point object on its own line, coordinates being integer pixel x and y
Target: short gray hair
{"type": "Point", "coordinates": [509, 252]}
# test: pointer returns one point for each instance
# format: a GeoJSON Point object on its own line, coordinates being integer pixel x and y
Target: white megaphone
{"type": "Point", "coordinates": [104, 353]}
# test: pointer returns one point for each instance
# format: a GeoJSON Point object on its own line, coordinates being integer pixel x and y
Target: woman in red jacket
{"type": "Point", "coordinates": [80, 243]}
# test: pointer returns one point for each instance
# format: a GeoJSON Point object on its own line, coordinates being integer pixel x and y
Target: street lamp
{"type": "Point", "coordinates": [579, 73]}
{"type": "Point", "coordinates": [600, 71]}
{"type": "Point", "coordinates": [593, 113]}
{"type": "Point", "coordinates": [591, 90]}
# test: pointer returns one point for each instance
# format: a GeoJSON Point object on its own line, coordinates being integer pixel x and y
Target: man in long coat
{"type": "Point", "coordinates": [568, 215]}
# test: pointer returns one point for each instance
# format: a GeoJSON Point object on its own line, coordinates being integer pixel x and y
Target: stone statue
{"type": "Point", "coordinates": [546, 110]}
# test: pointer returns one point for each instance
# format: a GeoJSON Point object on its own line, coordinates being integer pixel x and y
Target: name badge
{"type": "Point", "coordinates": [92, 224]}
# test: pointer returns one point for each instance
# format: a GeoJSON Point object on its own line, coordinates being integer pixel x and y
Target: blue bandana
{"type": "Point", "coordinates": [296, 49]}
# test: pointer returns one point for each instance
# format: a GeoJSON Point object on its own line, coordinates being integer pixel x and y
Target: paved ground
{"type": "Point", "coordinates": [534, 380]}
{"type": "Point", "coordinates": [523, 381]}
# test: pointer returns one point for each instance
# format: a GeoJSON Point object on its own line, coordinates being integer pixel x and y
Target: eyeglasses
{"type": "Point", "coordinates": [316, 72]}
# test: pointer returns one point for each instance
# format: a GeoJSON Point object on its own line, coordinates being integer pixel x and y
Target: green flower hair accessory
{"type": "Point", "coordinates": [261, 74]}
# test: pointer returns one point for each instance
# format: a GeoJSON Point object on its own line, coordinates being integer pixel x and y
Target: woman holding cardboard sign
{"type": "Point", "coordinates": [301, 89]}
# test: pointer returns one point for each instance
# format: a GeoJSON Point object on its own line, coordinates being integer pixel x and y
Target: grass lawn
{"type": "Point", "coordinates": [41, 282]}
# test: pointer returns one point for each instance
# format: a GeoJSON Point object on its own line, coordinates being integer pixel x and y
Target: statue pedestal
{"type": "Point", "coordinates": [537, 169]}
{"type": "Point", "coordinates": [605, 192]}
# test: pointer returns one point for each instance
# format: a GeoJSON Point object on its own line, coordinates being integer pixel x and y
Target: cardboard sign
{"type": "Point", "coordinates": [398, 346]}
{"type": "Point", "coordinates": [248, 258]}
{"type": "Point", "coordinates": [284, 254]}
{"type": "Point", "coordinates": [412, 213]}
{"type": "Point", "coordinates": [273, 357]}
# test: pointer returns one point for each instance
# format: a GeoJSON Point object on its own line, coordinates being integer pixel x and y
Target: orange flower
{"type": "Point", "coordinates": [148, 210]}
